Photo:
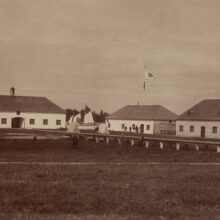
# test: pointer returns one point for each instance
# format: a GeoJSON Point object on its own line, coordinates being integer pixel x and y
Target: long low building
{"type": "Point", "coordinates": [202, 120]}
{"type": "Point", "coordinates": [30, 112]}
{"type": "Point", "coordinates": [146, 119]}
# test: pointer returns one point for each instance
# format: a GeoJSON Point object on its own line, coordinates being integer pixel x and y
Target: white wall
{"type": "Point", "coordinates": [197, 128]}
{"type": "Point", "coordinates": [38, 120]}
{"type": "Point", "coordinates": [116, 125]}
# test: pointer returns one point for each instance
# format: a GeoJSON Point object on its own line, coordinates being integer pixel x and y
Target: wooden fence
{"type": "Point", "coordinates": [120, 138]}
{"type": "Point", "coordinates": [179, 143]}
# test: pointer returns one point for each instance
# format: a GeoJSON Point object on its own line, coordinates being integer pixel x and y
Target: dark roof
{"type": "Point", "coordinates": [28, 104]}
{"type": "Point", "coordinates": [143, 112]}
{"type": "Point", "coordinates": [205, 110]}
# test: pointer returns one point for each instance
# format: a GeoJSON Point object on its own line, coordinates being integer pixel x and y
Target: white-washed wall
{"type": "Point", "coordinates": [116, 125]}
{"type": "Point", "coordinates": [197, 128]}
{"type": "Point", "coordinates": [38, 120]}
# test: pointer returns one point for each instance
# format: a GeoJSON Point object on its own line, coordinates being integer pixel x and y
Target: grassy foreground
{"type": "Point", "coordinates": [63, 151]}
{"type": "Point", "coordinates": [130, 190]}
{"type": "Point", "coordinates": [106, 191]}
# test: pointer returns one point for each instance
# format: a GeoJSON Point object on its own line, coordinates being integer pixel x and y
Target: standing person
{"type": "Point", "coordinates": [136, 129]}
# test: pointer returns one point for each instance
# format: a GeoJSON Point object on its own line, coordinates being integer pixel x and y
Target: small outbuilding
{"type": "Point", "coordinates": [30, 112]}
{"type": "Point", "coordinates": [146, 119]}
{"type": "Point", "coordinates": [202, 120]}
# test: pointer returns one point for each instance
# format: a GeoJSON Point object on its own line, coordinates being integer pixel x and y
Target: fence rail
{"type": "Point", "coordinates": [145, 139]}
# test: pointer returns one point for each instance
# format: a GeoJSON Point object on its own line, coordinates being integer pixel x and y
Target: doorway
{"type": "Point", "coordinates": [203, 131]}
{"type": "Point", "coordinates": [142, 128]}
{"type": "Point", "coordinates": [17, 122]}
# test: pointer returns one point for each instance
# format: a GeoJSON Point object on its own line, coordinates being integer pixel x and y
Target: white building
{"type": "Point", "coordinates": [147, 119]}
{"type": "Point", "coordinates": [202, 120]}
{"type": "Point", "coordinates": [30, 112]}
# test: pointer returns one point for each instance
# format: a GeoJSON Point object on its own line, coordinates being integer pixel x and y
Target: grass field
{"type": "Point", "coordinates": [63, 151]}
{"type": "Point", "coordinates": [106, 191]}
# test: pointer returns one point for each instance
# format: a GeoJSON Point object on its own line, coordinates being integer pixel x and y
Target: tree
{"type": "Point", "coordinates": [70, 113]}
{"type": "Point", "coordinates": [99, 117]}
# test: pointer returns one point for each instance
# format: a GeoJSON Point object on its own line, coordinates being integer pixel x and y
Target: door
{"type": "Point", "coordinates": [203, 131]}
{"type": "Point", "coordinates": [17, 122]}
{"type": "Point", "coordinates": [142, 128]}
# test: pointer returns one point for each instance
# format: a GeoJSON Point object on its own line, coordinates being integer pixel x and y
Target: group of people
{"type": "Point", "coordinates": [134, 128]}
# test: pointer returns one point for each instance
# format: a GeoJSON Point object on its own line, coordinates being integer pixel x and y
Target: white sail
{"type": "Point", "coordinates": [88, 118]}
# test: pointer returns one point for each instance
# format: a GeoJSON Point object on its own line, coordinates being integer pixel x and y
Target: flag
{"type": "Point", "coordinates": [150, 75]}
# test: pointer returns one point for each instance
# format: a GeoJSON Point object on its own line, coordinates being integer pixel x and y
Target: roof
{"type": "Point", "coordinates": [28, 104]}
{"type": "Point", "coordinates": [143, 112]}
{"type": "Point", "coordinates": [208, 110]}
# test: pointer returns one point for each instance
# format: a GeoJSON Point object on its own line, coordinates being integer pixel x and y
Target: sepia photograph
{"type": "Point", "coordinates": [109, 110]}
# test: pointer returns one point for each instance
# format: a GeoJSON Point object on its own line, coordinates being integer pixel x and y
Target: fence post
{"type": "Point", "coordinates": [97, 139]}
{"type": "Point", "coordinates": [107, 140]}
{"type": "Point", "coordinates": [161, 145]}
{"type": "Point", "coordinates": [132, 142]}
{"type": "Point", "coordinates": [147, 144]}
{"type": "Point", "coordinates": [218, 149]}
{"type": "Point", "coordinates": [177, 146]}
{"type": "Point", "coordinates": [196, 147]}
{"type": "Point", "coordinates": [119, 141]}
{"type": "Point", "coordinates": [35, 138]}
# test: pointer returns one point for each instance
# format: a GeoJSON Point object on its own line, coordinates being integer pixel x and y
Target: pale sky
{"type": "Point", "coordinates": [93, 51]}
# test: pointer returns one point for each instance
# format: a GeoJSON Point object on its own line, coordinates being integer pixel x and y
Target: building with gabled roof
{"type": "Point", "coordinates": [30, 112]}
{"type": "Point", "coordinates": [201, 120]}
{"type": "Point", "coordinates": [146, 119]}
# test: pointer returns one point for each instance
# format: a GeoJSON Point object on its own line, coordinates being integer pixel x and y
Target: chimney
{"type": "Point", "coordinates": [12, 91]}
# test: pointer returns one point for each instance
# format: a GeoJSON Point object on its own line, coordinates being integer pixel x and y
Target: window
{"type": "Point", "coordinates": [123, 126]}
{"type": "Point", "coordinates": [191, 128]}
{"type": "Point", "coordinates": [18, 112]}
{"type": "Point", "coordinates": [32, 121]}
{"type": "Point", "coordinates": [148, 127]}
{"type": "Point", "coordinates": [181, 128]}
{"type": "Point", "coordinates": [214, 130]}
{"type": "Point", "coordinates": [45, 121]}
{"type": "Point", "coordinates": [58, 122]}
{"type": "Point", "coordinates": [4, 121]}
